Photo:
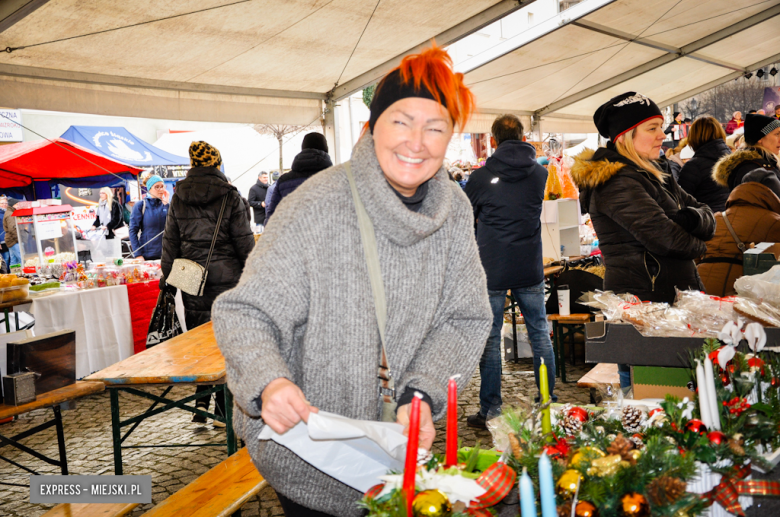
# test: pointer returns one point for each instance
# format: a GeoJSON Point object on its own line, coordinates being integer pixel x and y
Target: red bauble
{"type": "Point", "coordinates": [579, 413]}
{"type": "Point", "coordinates": [731, 367]}
{"type": "Point", "coordinates": [654, 411]}
{"type": "Point", "coordinates": [696, 426]}
{"type": "Point", "coordinates": [714, 356]}
{"type": "Point", "coordinates": [716, 437]}
{"type": "Point", "coordinates": [775, 382]}
{"type": "Point", "coordinates": [725, 379]}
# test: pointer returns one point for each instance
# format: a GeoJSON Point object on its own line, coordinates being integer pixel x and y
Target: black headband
{"type": "Point", "coordinates": [392, 89]}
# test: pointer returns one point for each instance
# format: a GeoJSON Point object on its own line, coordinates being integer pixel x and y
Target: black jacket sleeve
{"type": "Point", "coordinates": [704, 227]}
{"type": "Point", "coordinates": [171, 244]}
{"type": "Point", "coordinates": [240, 232]}
{"type": "Point", "coordinates": [255, 199]}
{"type": "Point", "coordinates": [116, 217]}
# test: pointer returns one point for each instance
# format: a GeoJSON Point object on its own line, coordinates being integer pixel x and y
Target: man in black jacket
{"type": "Point", "coordinates": [257, 197]}
{"type": "Point", "coordinates": [507, 195]}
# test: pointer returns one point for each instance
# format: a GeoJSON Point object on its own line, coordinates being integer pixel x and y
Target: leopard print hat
{"type": "Point", "coordinates": [203, 154]}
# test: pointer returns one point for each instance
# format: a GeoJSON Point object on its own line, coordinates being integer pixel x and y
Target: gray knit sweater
{"type": "Point", "coordinates": [303, 310]}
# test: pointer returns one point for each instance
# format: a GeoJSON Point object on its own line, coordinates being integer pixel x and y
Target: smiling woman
{"type": "Point", "coordinates": [300, 333]}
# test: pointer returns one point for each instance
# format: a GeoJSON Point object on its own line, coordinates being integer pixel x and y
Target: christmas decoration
{"type": "Point", "coordinates": [579, 413]}
{"type": "Point", "coordinates": [716, 437]}
{"type": "Point", "coordinates": [567, 484]}
{"type": "Point", "coordinates": [634, 505]}
{"type": "Point", "coordinates": [637, 440]}
{"type": "Point", "coordinates": [632, 419]}
{"type": "Point", "coordinates": [585, 453]}
{"type": "Point", "coordinates": [736, 406]}
{"type": "Point", "coordinates": [431, 503]}
{"type": "Point", "coordinates": [622, 447]}
{"type": "Point", "coordinates": [514, 443]}
{"type": "Point", "coordinates": [665, 490]}
{"type": "Point", "coordinates": [586, 509]}
{"type": "Point", "coordinates": [696, 426]}
{"type": "Point", "coordinates": [607, 465]}
{"type": "Point", "coordinates": [736, 443]}
{"type": "Point", "coordinates": [564, 509]}
{"type": "Point", "coordinates": [570, 425]}
{"type": "Point", "coordinates": [725, 379]}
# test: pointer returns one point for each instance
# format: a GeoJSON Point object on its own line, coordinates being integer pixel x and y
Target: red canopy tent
{"type": "Point", "coordinates": [57, 160]}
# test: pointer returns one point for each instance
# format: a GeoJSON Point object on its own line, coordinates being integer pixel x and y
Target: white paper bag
{"type": "Point", "coordinates": [356, 452]}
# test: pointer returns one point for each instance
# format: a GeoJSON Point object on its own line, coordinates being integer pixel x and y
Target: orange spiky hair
{"type": "Point", "coordinates": [430, 75]}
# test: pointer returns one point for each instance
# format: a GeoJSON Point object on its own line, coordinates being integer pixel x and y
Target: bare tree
{"type": "Point", "coordinates": [722, 101]}
{"type": "Point", "coordinates": [279, 131]}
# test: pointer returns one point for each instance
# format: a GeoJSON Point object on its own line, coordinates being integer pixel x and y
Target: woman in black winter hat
{"type": "Point", "coordinates": [649, 229]}
{"type": "Point", "coordinates": [762, 144]}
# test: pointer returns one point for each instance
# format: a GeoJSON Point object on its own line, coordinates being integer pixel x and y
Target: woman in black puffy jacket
{"type": "Point", "coordinates": [708, 140]}
{"type": "Point", "coordinates": [189, 230]}
{"type": "Point", "coordinates": [649, 229]}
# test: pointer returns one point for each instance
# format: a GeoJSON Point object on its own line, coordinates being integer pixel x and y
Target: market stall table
{"type": "Point", "coordinates": [52, 399]}
{"type": "Point", "coordinates": [7, 310]}
{"type": "Point", "coordinates": [188, 359]}
{"type": "Point", "coordinates": [101, 319]}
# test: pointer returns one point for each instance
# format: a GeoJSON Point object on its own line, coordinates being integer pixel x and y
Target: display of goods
{"type": "Point", "coordinates": [553, 189]}
{"type": "Point", "coordinates": [43, 285]}
{"type": "Point", "coordinates": [14, 293]}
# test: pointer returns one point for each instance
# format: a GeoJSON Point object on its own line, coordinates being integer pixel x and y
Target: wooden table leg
{"type": "Point", "coordinates": [60, 439]}
{"type": "Point", "coordinates": [116, 431]}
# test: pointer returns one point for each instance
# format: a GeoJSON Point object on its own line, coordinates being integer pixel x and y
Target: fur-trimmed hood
{"type": "Point", "coordinates": [594, 168]}
{"type": "Point", "coordinates": [726, 165]}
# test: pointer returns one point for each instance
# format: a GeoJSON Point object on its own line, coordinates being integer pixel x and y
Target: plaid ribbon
{"type": "Point", "coordinates": [731, 487]}
{"type": "Point", "coordinates": [498, 481]}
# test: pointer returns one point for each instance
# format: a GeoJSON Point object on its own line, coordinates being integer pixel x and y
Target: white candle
{"type": "Point", "coordinates": [712, 397]}
{"type": "Point", "coordinates": [704, 406]}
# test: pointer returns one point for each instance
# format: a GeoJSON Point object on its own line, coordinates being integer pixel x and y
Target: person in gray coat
{"type": "Point", "coordinates": [299, 332]}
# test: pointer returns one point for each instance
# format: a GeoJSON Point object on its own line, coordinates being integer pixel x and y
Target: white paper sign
{"type": "Point", "coordinates": [356, 452]}
{"type": "Point", "coordinates": [49, 230]}
{"type": "Point", "coordinates": [10, 131]}
{"type": "Point", "coordinates": [83, 217]}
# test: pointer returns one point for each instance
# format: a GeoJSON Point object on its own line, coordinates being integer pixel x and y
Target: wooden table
{"type": "Point", "coordinates": [601, 375]}
{"type": "Point", "coordinates": [191, 358]}
{"type": "Point", "coordinates": [552, 270]}
{"type": "Point", "coordinates": [52, 399]}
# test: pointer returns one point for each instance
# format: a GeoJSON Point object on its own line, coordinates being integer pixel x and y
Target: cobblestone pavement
{"type": "Point", "coordinates": [89, 446]}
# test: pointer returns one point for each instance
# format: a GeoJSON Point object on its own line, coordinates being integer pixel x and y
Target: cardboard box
{"type": "Point", "coordinates": [654, 382]}
{"type": "Point", "coordinates": [760, 259]}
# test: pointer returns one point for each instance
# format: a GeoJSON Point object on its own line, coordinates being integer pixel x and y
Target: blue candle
{"type": "Point", "coordinates": [546, 491]}
{"type": "Point", "coordinates": [527, 501]}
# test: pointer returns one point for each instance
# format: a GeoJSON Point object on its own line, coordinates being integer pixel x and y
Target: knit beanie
{"type": "Point", "coordinates": [154, 178]}
{"type": "Point", "coordinates": [392, 89]}
{"type": "Point", "coordinates": [204, 155]}
{"type": "Point", "coordinates": [623, 113]}
{"type": "Point", "coordinates": [315, 141]}
{"type": "Point", "coordinates": [758, 126]}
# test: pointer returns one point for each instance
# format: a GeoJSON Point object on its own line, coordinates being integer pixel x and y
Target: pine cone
{"type": "Point", "coordinates": [514, 443]}
{"type": "Point", "coordinates": [638, 443]}
{"type": "Point", "coordinates": [632, 419]}
{"type": "Point", "coordinates": [564, 509]}
{"type": "Point", "coordinates": [622, 447]}
{"type": "Point", "coordinates": [571, 426]}
{"type": "Point", "coordinates": [735, 444]}
{"type": "Point", "coordinates": [665, 490]}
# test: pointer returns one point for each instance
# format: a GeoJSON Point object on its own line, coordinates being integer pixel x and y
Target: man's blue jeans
{"type": "Point", "coordinates": [15, 255]}
{"type": "Point", "coordinates": [530, 301]}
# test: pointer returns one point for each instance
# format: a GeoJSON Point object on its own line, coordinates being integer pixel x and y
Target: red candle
{"type": "Point", "coordinates": [451, 457]}
{"type": "Point", "coordinates": [410, 468]}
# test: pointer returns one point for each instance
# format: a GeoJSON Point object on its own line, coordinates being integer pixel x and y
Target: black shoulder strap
{"type": "Point", "coordinates": [740, 244]}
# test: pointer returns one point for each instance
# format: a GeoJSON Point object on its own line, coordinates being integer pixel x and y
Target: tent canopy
{"type": "Point", "coordinates": [262, 61]}
{"type": "Point", "coordinates": [668, 50]}
{"type": "Point", "coordinates": [120, 144]}
{"type": "Point", "coordinates": [58, 161]}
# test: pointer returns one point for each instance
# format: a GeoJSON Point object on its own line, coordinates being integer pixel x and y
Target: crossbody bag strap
{"type": "Point", "coordinates": [368, 238]}
{"type": "Point", "coordinates": [740, 244]}
{"type": "Point", "coordinates": [216, 230]}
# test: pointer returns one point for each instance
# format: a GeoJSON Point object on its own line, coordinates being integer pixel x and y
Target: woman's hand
{"type": "Point", "coordinates": [284, 405]}
{"type": "Point", "coordinates": [427, 430]}
{"type": "Point", "coordinates": [165, 197]}
{"type": "Point", "coordinates": [140, 257]}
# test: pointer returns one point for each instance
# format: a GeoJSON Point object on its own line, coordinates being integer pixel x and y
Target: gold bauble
{"type": "Point", "coordinates": [431, 503]}
{"type": "Point", "coordinates": [607, 465]}
{"type": "Point", "coordinates": [635, 455]}
{"type": "Point", "coordinates": [586, 453]}
{"type": "Point", "coordinates": [567, 484]}
{"type": "Point", "coordinates": [634, 505]}
{"type": "Point", "coordinates": [586, 509]}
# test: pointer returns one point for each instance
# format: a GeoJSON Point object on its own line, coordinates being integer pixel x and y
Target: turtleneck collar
{"type": "Point", "coordinates": [388, 213]}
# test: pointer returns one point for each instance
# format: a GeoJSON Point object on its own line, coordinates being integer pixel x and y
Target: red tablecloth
{"type": "Point", "coordinates": [143, 299]}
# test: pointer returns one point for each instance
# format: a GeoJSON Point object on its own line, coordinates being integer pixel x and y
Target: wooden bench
{"type": "Point", "coordinates": [563, 327]}
{"type": "Point", "coordinates": [220, 492]}
{"type": "Point", "coordinates": [601, 374]}
{"type": "Point", "coordinates": [91, 510]}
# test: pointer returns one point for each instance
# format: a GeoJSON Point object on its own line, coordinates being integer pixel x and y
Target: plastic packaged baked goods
{"type": "Point", "coordinates": [764, 313]}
